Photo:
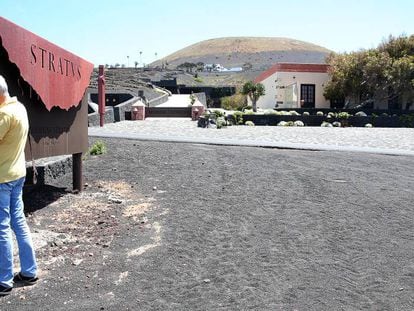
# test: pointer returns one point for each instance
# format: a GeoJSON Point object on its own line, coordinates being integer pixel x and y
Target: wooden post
{"type": "Point", "coordinates": [77, 179]}
{"type": "Point", "coordinates": [101, 95]}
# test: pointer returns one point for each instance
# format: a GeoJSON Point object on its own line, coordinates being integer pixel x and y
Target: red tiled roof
{"type": "Point", "coordinates": [291, 67]}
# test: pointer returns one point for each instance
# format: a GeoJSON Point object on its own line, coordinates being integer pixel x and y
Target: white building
{"type": "Point", "coordinates": [214, 67]}
{"type": "Point", "coordinates": [294, 85]}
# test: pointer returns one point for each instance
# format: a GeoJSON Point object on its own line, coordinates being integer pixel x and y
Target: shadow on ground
{"type": "Point", "coordinates": [36, 197]}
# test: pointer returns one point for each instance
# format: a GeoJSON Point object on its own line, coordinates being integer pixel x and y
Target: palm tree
{"type": "Point", "coordinates": [254, 91]}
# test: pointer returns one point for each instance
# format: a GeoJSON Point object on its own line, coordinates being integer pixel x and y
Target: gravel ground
{"type": "Point", "coordinates": [170, 226]}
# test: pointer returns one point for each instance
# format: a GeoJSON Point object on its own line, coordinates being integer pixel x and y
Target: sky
{"type": "Point", "coordinates": [129, 31]}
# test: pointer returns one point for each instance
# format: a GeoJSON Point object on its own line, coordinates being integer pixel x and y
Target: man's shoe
{"type": "Point", "coordinates": [4, 291]}
{"type": "Point", "coordinates": [26, 280]}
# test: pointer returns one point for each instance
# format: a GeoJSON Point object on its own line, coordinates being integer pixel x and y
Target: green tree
{"type": "Point", "coordinates": [386, 72]}
{"type": "Point", "coordinates": [254, 91]}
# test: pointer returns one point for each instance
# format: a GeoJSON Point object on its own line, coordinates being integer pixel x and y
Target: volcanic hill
{"type": "Point", "coordinates": [259, 52]}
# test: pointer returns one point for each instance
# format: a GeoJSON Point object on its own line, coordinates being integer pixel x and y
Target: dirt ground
{"type": "Point", "coordinates": [169, 226]}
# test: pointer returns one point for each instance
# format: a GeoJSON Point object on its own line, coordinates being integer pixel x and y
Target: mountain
{"type": "Point", "coordinates": [260, 52]}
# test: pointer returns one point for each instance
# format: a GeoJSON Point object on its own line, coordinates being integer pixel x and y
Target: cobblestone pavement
{"type": "Point", "coordinates": [398, 141]}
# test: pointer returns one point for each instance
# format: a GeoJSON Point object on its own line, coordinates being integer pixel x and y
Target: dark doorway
{"type": "Point", "coordinates": [307, 94]}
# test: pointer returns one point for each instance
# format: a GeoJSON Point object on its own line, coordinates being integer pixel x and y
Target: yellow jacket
{"type": "Point", "coordinates": [14, 127]}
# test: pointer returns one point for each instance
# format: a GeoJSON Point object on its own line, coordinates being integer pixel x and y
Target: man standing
{"type": "Point", "coordinates": [14, 127]}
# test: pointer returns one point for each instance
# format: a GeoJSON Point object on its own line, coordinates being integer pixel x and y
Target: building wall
{"type": "Point", "coordinates": [280, 84]}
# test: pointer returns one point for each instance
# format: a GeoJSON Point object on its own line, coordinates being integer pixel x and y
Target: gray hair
{"type": "Point", "coordinates": [4, 90]}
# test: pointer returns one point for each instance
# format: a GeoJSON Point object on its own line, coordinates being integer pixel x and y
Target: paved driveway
{"type": "Point", "coordinates": [373, 140]}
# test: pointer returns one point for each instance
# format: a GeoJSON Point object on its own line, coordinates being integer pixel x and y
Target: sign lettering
{"type": "Point", "coordinates": [54, 63]}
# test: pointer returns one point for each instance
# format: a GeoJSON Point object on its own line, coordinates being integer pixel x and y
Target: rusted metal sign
{"type": "Point", "coordinates": [58, 76]}
{"type": "Point", "coordinates": [51, 83]}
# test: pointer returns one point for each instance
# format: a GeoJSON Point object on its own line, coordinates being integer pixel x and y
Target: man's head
{"type": "Point", "coordinates": [4, 90]}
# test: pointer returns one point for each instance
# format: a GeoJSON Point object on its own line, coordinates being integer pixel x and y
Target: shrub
{"type": "Point", "coordinates": [98, 148]}
{"type": "Point", "coordinates": [326, 124]}
{"type": "Point", "coordinates": [221, 122]}
{"type": "Point", "coordinates": [368, 125]}
{"type": "Point", "coordinates": [360, 114]}
{"type": "Point", "coordinates": [298, 123]}
{"type": "Point", "coordinates": [217, 114]}
{"type": "Point", "coordinates": [234, 102]}
{"type": "Point", "coordinates": [331, 115]}
{"type": "Point", "coordinates": [192, 99]}
{"type": "Point", "coordinates": [336, 124]}
{"type": "Point", "coordinates": [270, 111]}
{"type": "Point", "coordinates": [343, 115]}
{"type": "Point", "coordinates": [319, 113]}
{"type": "Point", "coordinates": [238, 117]}
{"type": "Point", "coordinates": [306, 113]}
{"type": "Point", "coordinates": [248, 111]}
{"type": "Point", "coordinates": [407, 120]}
{"type": "Point", "coordinates": [249, 123]}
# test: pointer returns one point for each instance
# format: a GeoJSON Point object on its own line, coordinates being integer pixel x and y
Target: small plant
{"type": "Point", "coordinates": [218, 113]}
{"type": "Point", "coordinates": [248, 111]}
{"type": "Point", "coordinates": [331, 115]}
{"type": "Point", "coordinates": [221, 122]}
{"type": "Point", "coordinates": [238, 117]}
{"type": "Point", "coordinates": [360, 114]}
{"type": "Point", "coordinates": [192, 99]}
{"type": "Point", "coordinates": [407, 120]}
{"type": "Point", "coordinates": [306, 113]}
{"type": "Point", "coordinates": [343, 115]}
{"type": "Point", "coordinates": [98, 148]}
{"type": "Point", "coordinates": [270, 111]}
{"type": "Point", "coordinates": [319, 113]}
{"type": "Point", "coordinates": [249, 123]}
{"type": "Point", "coordinates": [298, 123]}
{"type": "Point", "coordinates": [368, 125]}
{"type": "Point", "coordinates": [326, 124]}
{"type": "Point", "coordinates": [337, 124]}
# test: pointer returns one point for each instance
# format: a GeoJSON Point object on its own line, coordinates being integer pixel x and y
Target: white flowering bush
{"type": "Point", "coordinates": [306, 113]}
{"type": "Point", "coordinates": [249, 123]}
{"type": "Point", "coordinates": [294, 113]}
{"type": "Point", "coordinates": [360, 114]}
{"type": "Point", "coordinates": [368, 125]}
{"type": "Point", "coordinates": [336, 124]}
{"type": "Point", "coordinates": [331, 115]}
{"type": "Point", "coordinates": [282, 123]}
{"type": "Point", "coordinates": [319, 113]}
{"type": "Point", "coordinates": [270, 112]}
{"type": "Point", "coordinates": [298, 123]}
{"type": "Point", "coordinates": [326, 124]}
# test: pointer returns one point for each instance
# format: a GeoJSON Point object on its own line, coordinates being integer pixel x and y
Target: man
{"type": "Point", "coordinates": [14, 127]}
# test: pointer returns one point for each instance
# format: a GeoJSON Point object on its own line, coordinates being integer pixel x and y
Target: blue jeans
{"type": "Point", "coordinates": [12, 218]}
